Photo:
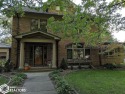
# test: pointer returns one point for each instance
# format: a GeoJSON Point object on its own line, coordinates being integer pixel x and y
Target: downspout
{"type": "Point", "coordinates": [17, 60]}
{"type": "Point", "coordinates": [18, 42]}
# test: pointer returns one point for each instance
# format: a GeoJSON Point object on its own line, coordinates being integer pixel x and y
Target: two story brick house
{"type": "Point", "coordinates": [36, 46]}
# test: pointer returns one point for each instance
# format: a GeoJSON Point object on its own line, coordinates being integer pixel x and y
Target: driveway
{"type": "Point", "coordinates": [39, 83]}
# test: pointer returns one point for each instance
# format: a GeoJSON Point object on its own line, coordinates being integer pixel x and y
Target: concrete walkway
{"type": "Point", "coordinates": [39, 83]}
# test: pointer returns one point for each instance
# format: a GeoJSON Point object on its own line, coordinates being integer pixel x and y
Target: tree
{"type": "Point", "coordinates": [10, 8]}
{"type": "Point", "coordinates": [5, 30]}
{"type": "Point", "coordinates": [92, 20]}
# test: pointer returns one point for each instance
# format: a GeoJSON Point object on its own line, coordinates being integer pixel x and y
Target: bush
{"type": "Point", "coordinates": [61, 85]}
{"type": "Point", "coordinates": [2, 63]}
{"type": "Point", "coordinates": [63, 64]}
{"type": "Point", "coordinates": [22, 75]}
{"type": "Point", "coordinates": [109, 66]}
{"type": "Point", "coordinates": [8, 66]}
{"type": "Point", "coordinates": [1, 69]}
{"type": "Point", "coordinates": [16, 80]}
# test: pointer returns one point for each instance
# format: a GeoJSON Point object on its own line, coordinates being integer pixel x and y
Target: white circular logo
{"type": "Point", "coordinates": [4, 88]}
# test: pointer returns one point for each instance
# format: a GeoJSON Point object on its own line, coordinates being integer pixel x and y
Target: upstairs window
{"type": "Point", "coordinates": [38, 24]}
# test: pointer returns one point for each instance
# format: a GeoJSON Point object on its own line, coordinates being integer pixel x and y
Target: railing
{"type": "Point", "coordinates": [80, 62]}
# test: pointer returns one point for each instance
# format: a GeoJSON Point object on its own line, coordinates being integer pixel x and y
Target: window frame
{"type": "Point", "coordinates": [38, 25]}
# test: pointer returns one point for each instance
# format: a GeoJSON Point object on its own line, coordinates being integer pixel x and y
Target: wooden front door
{"type": "Point", "coordinates": [40, 56]}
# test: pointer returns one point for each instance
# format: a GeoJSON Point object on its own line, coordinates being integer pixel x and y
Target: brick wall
{"type": "Point", "coordinates": [24, 26]}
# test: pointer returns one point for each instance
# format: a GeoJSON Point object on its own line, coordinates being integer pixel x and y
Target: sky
{"type": "Point", "coordinates": [120, 36]}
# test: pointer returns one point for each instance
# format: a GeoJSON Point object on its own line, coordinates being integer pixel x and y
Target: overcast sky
{"type": "Point", "coordinates": [119, 35]}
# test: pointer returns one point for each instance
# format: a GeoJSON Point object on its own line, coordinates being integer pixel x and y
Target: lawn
{"type": "Point", "coordinates": [97, 81]}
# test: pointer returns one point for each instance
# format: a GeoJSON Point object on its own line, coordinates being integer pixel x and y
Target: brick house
{"type": "Point", "coordinates": [34, 45]}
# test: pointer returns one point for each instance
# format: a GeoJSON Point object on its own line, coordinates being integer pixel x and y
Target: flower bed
{"type": "Point", "coordinates": [60, 83]}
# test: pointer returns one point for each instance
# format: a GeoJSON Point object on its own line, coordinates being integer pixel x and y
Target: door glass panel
{"type": "Point", "coordinates": [38, 56]}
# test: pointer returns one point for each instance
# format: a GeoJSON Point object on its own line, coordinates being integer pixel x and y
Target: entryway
{"type": "Point", "coordinates": [38, 54]}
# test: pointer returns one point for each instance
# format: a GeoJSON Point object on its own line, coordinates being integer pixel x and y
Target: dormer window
{"type": "Point", "coordinates": [38, 24]}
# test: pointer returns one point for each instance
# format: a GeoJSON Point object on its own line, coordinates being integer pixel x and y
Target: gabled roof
{"type": "Point", "coordinates": [20, 36]}
{"type": "Point", "coordinates": [3, 45]}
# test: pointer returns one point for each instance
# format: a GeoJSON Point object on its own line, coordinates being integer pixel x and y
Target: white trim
{"type": "Point", "coordinates": [21, 36]}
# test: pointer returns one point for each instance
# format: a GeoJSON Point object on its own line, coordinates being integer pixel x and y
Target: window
{"type": "Point", "coordinates": [69, 53]}
{"type": "Point", "coordinates": [38, 24]}
{"type": "Point", "coordinates": [3, 55]}
{"type": "Point", "coordinates": [75, 51]}
{"type": "Point", "coordinates": [34, 24]}
{"type": "Point", "coordinates": [43, 24]}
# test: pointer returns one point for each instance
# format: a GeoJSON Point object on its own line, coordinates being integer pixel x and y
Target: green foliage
{"type": "Point", "coordinates": [8, 66]}
{"type": "Point", "coordinates": [63, 64]}
{"type": "Point", "coordinates": [61, 85]}
{"type": "Point", "coordinates": [109, 66]}
{"type": "Point", "coordinates": [18, 79]}
{"type": "Point", "coordinates": [2, 63]}
{"type": "Point", "coordinates": [22, 75]}
{"type": "Point", "coordinates": [3, 80]}
{"type": "Point", "coordinates": [93, 21]}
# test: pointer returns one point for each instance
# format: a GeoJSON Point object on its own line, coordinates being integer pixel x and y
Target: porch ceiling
{"type": "Point", "coordinates": [37, 34]}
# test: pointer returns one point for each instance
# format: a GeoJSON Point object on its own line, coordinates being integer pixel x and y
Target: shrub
{"type": "Point", "coordinates": [16, 80]}
{"type": "Point", "coordinates": [109, 66]}
{"type": "Point", "coordinates": [61, 85]}
{"type": "Point", "coordinates": [1, 69]}
{"type": "Point", "coordinates": [2, 63]}
{"type": "Point", "coordinates": [63, 64]}
{"type": "Point", "coordinates": [22, 75]}
{"type": "Point", "coordinates": [8, 66]}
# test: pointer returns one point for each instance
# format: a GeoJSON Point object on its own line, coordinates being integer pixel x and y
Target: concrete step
{"type": "Point", "coordinates": [39, 69]}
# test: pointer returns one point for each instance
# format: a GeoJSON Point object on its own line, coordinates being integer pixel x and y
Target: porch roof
{"type": "Point", "coordinates": [22, 35]}
{"type": "Point", "coordinates": [3, 45]}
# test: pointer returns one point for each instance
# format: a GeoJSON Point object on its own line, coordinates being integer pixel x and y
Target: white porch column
{"type": "Point", "coordinates": [21, 64]}
{"type": "Point", "coordinates": [54, 55]}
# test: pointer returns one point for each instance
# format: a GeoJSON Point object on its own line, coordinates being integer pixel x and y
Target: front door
{"type": "Point", "coordinates": [40, 56]}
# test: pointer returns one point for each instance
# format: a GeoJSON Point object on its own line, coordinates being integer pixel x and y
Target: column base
{"type": "Point", "coordinates": [54, 67]}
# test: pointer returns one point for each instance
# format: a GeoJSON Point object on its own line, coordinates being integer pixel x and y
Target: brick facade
{"type": "Point", "coordinates": [23, 25]}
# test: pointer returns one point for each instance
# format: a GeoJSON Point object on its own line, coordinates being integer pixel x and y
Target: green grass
{"type": "Point", "coordinates": [3, 80]}
{"type": "Point", "coordinates": [97, 81]}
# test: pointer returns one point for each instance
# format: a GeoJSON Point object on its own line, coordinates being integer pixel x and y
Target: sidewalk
{"type": "Point", "coordinates": [39, 83]}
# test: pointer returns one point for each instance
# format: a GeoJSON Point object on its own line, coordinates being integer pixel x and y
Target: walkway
{"type": "Point", "coordinates": [39, 83]}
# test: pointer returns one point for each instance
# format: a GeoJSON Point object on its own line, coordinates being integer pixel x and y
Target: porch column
{"type": "Point", "coordinates": [21, 65]}
{"type": "Point", "coordinates": [54, 56]}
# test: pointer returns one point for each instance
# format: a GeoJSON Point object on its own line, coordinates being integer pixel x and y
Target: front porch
{"type": "Point", "coordinates": [38, 51]}
{"type": "Point", "coordinates": [38, 54]}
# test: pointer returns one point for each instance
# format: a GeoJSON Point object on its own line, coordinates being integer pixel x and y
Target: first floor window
{"type": "Point", "coordinates": [77, 51]}
{"type": "Point", "coordinates": [69, 53]}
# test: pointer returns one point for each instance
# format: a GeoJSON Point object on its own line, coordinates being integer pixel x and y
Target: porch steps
{"type": "Point", "coordinates": [39, 69]}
